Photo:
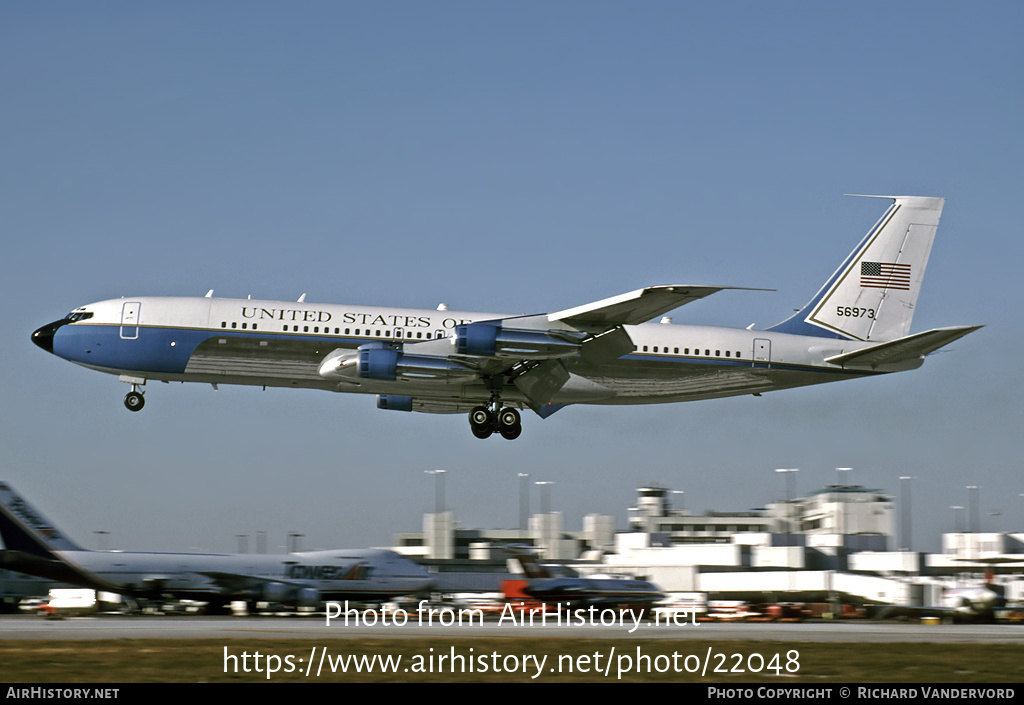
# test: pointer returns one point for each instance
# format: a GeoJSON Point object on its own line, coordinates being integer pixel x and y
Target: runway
{"type": "Point", "coordinates": [33, 628]}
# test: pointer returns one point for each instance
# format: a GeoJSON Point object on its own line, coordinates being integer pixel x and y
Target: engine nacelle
{"type": "Point", "coordinates": [390, 364]}
{"type": "Point", "coordinates": [290, 595]}
{"type": "Point", "coordinates": [394, 402]}
{"type": "Point", "coordinates": [479, 339]}
{"type": "Point", "coordinates": [307, 597]}
{"type": "Point", "coordinates": [384, 362]}
{"type": "Point", "coordinates": [491, 340]}
{"type": "Point", "coordinates": [378, 363]}
{"type": "Point", "coordinates": [340, 363]}
{"type": "Point", "coordinates": [276, 592]}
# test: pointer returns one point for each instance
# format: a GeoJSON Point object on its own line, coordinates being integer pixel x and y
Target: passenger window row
{"type": "Point", "coordinates": [696, 351]}
{"type": "Point", "coordinates": [373, 333]}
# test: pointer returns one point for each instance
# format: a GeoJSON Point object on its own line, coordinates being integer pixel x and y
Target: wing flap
{"type": "Point", "coordinates": [542, 382]}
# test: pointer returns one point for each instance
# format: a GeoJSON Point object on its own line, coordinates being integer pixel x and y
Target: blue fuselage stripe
{"type": "Point", "coordinates": [168, 350]}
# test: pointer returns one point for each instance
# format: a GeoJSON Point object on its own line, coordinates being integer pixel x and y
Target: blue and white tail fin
{"type": "Point", "coordinates": [872, 295]}
{"type": "Point", "coordinates": [25, 529]}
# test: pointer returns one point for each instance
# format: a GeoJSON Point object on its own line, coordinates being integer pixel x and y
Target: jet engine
{"type": "Point", "coordinates": [290, 595]}
{"type": "Point", "coordinates": [390, 364]}
{"type": "Point", "coordinates": [492, 340]}
{"type": "Point", "coordinates": [383, 362]}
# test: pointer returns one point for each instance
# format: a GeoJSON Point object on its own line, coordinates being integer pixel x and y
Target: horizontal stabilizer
{"type": "Point", "coordinates": [909, 348]}
{"type": "Point", "coordinates": [636, 307]}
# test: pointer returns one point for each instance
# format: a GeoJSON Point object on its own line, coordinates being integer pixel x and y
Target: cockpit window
{"type": "Point", "coordinates": [76, 316]}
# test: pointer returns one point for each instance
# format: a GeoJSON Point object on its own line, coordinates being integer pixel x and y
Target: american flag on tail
{"type": "Point", "coordinates": [884, 275]}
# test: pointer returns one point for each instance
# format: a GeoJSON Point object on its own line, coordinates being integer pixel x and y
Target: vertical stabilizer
{"type": "Point", "coordinates": [872, 295]}
{"type": "Point", "coordinates": [528, 563]}
{"type": "Point", "coordinates": [25, 529]}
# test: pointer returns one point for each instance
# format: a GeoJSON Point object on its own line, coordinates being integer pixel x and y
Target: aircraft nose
{"type": "Point", "coordinates": [44, 336]}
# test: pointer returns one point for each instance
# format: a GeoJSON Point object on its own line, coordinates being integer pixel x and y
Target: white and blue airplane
{"type": "Point", "coordinates": [34, 546]}
{"type": "Point", "coordinates": [491, 365]}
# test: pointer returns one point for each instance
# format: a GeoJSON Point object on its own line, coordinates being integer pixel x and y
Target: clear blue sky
{"type": "Point", "coordinates": [511, 157]}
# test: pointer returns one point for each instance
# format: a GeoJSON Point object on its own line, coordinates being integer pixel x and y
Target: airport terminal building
{"type": "Point", "coordinates": [834, 543]}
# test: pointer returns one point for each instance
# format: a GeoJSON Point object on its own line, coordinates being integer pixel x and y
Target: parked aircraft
{"type": "Point", "coordinates": [578, 592]}
{"type": "Point", "coordinates": [976, 603]}
{"type": "Point", "coordinates": [492, 365]}
{"type": "Point", "coordinates": [34, 546]}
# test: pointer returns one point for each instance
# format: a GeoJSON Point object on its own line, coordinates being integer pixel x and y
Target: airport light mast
{"type": "Point", "coordinates": [438, 489]}
{"type": "Point", "coordinates": [789, 472]}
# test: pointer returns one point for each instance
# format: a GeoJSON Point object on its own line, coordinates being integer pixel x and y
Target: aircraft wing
{"type": "Point", "coordinates": [903, 349]}
{"type": "Point", "coordinates": [270, 589]}
{"type": "Point", "coordinates": [531, 351]}
{"type": "Point", "coordinates": [243, 581]}
{"type": "Point", "coordinates": [236, 582]}
{"type": "Point", "coordinates": [240, 582]}
{"type": "Point", "coordinates": [636, 307]}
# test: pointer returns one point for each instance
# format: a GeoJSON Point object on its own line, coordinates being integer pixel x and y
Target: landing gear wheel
{"type": "Point", "coordinates": [482, 432]}
{"type": "Point", "coordinates": [511, 432]}
{"type": "Point", "coordinates": [508, 417]}
{"type": "Point", "coordinates": [480, 416]}
{"type": "Point", "coordinates": [510, 424]}
{"type": "Point", "coordinates": [485, 420]}
{"type": "Point", "coordinates": [481, 421]}
{"type": "Point", "coordinates": [133, 401]}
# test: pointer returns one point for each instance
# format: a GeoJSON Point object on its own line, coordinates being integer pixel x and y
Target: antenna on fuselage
{"type": "Point", "coordinates": [302, 298]}
{"type": "Point", "coordinates": [209, 294]}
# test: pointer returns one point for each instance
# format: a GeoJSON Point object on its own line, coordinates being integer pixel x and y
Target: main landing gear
{"type": "Point", "coordinates": [485, 420]}
{"type": "Point", "coordinates": [133, 400]}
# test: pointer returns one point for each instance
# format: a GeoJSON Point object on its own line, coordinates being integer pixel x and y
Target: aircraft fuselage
{"type": "Point", "coordinates": [283, 344]}
{"type": "Point", "coordinates": [294, 578]}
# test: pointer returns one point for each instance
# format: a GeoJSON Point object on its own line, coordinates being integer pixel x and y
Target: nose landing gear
{"type": "Point", "coordinates": [133, 400]}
